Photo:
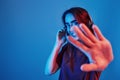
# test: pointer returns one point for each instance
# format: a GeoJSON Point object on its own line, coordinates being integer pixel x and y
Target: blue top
{"type": "Point", "coordinates": [69, 60]}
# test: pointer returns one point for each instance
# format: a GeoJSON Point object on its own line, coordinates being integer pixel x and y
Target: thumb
{"type": "Point", "coordinates": [89, 67]}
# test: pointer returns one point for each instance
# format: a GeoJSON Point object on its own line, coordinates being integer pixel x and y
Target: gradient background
{"type": "Point", "coordinates": [28, 31]}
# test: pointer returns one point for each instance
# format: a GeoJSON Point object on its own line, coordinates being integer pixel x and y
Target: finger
{"type": "Point", "coordinates": [88, 33]}
{"type": "Point", "coordinates": [89, 67]}
{"type": "Point", "coordinates": [97, 32]}
{"type": "Point", "coordinates": [82, 36]}
{"type": "Point", "coordinates": [76, 43]}
{"type": "Point", "coordinates": [62, 30]}
{"type": "Point", "coordinates": [61, 33]}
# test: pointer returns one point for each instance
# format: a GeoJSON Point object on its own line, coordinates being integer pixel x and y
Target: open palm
{"type": "Point", "coordinates": [96, 47]}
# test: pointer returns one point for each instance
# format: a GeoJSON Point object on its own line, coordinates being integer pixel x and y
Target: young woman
{"type": "Point", "coordinates": [81, 52]}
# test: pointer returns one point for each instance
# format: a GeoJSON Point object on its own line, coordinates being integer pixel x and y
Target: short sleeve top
{"type": "Point", "coordinates": [69, 60]}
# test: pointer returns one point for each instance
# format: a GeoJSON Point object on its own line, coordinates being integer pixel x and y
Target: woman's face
{"type": "Point", "coordinates": [70, 21]}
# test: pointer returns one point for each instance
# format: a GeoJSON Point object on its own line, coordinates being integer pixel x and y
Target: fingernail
{"type": "Point", "coordinates": [93, 26]}
{"type": "Point", "coordinates": [72, 28]}
{"type": "Point", "coordinates": [80, 26]}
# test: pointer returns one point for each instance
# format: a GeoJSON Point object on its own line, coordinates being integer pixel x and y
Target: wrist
{"type": "Point", "coordinates": [58, 43]}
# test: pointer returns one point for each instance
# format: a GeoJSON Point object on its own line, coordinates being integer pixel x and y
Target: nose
{"type": "Point", "coordinates": [72, 30]}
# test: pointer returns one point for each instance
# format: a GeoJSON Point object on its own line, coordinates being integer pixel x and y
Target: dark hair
{"type": "Point", "coordinates": [81, 15]}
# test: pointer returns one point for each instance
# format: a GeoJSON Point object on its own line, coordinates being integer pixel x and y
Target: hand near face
{"type": "Point", "coordinates": [96, 47]}
{"type": "Point", "coordinates": [61, 36]}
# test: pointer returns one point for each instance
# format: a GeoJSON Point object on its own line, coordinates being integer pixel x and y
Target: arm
{"type": "Point", "coordinates": [52, 66]}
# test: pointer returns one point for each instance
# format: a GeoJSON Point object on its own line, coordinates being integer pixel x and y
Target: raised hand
{"type": "Point", "coordinates": [96, 47]}
{"type": "Point", "coordinates": [61, 37]}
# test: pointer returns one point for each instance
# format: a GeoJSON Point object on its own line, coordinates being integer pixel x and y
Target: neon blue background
{"type": "Point", "coordinates": [28, 29]}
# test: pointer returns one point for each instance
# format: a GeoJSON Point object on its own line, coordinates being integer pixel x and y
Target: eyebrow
{"type": "Point", "coordinates": [72, 21]}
